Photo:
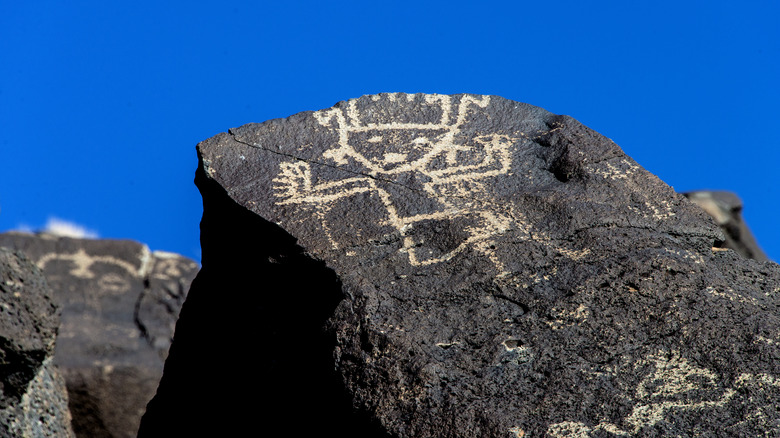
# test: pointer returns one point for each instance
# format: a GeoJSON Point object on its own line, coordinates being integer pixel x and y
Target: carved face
{"type": "Point", "coordinates": [409, 150]}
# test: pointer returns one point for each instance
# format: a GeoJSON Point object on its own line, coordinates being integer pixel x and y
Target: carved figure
{"type": "Point", "coordinates": [430, 157]}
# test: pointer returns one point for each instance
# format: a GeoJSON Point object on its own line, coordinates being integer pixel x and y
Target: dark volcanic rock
{"type": "Point", "coordinates": [120, 304]}
{"type": "Point", "coordinates": [33, 402]}
{"type": "Point", "coordinates": [461, 266]}
{"type": "Point", "coordinates": [726, 209]}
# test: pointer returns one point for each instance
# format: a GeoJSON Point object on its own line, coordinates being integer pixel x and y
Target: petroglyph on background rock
{"type": "Point", "coordinates": [120, 303]}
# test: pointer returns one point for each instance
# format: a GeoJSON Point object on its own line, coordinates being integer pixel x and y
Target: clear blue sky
{"type": "Point", "coordinates": [102, 103]}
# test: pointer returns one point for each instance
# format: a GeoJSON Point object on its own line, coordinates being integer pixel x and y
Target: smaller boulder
{"type": "Point", "coordinates": [120, 302]}
{"type": "Point", "coordinates": [33, 398]}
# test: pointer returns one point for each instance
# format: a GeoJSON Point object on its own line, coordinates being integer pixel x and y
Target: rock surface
{"type": "Point", "coordinates": [461, 266]}
{"type": "Point", "coordinates": [726, 209]}
{"type": "Point", "coordinates": [120, 304]}
{"type": "Point", "coordinates": [34, 401]}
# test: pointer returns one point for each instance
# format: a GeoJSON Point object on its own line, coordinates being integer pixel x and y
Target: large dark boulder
{"type": "Point", "coordinates": [120, 303]}
{"type": "Point", "coordinates": [461, 266]}
{"type": "Point", "coordinates": [33, 399]}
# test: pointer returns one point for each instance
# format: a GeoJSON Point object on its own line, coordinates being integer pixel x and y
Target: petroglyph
{"type": "Point", "coordinates": [518, 432]}
{"type": "Point", "coordinates": [83, 263]}
{"type": "Point", "coordinates": [167, 267]}
{"type": "Point", "coordinates": [732, 295]}
{"type": "Point", "coordinates": [451, 170]}
{"type": "Point", "coordinates": [674, 384]}
{"type": "Point", "coordinates": [158, 264]}
{"type": "Point", "coordinates": [113, 283]}
{"type": "Point", "coordinates": [625, 170]}
{"type": "Point", "coordinates": [689, 255]}
{"type": "Point", "coordinates": [567, 317]}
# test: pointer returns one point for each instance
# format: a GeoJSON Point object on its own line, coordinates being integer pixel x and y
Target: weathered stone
{"type": "Point", "coordinates": [33, 401]}
{"type": "Point", "coordinates": [461, 266]}
{"type": "Point", "coordinates": [726, 209]}
{"type": "Point", "coordinates": [120, 303]}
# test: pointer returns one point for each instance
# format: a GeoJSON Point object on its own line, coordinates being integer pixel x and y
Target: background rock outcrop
{"type": "Point", "coordinates": [726, 209]}
{"type": "Point", "coordinates": [461, 266]}
{"type": "Point", "coordinates": [119, 303]}
{"type": "Point", "coordinates": [33, 399]}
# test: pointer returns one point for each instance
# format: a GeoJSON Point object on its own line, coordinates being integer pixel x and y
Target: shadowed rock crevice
{"type": "Point", "coordinates": [137, 314]}
{"type": "Point", "coordinates": [17, 369]}
{"type": "Point", "coordinates": [158, 298]}
{"type": "Point", "coordinates": [85, 410]}
{"type": "Point", "coordinates": [254, 323]}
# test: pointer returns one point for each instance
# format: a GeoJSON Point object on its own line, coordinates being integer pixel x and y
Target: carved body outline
{"type": "Point", "coordinates": [293, 185]}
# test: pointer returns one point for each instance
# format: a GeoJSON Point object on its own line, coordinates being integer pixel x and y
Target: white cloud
{"type": "Point", "coordinates": [61, 227]}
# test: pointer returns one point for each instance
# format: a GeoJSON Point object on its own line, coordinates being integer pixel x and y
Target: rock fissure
{"type": "Point", "coordinates": [524, 307]}
{"type": "Point", "coordinates": [145, 293]}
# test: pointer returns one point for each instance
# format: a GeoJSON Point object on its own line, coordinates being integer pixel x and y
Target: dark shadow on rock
{"type": "Point", "coordinates": [253, 352]}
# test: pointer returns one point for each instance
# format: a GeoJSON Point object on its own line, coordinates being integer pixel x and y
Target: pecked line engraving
{"type": "Point", "coordinates": [451, 170]}
{"type": "Point", "coordinates": [675, 384]}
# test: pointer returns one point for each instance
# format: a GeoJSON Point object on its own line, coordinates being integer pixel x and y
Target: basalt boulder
{"type": "Point", "coordinates": [461, 266]}
{"type": "Point", "coordinates": [120, 303]}
{"type": "Point", "coordinates": [33, 398]}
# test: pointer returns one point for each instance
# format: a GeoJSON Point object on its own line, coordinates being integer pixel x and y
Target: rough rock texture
{"type": "Point", "coordinates": [461, 266]}
{"type": "Point", "coordinates": [33, 401]}
{"type": "Point", "coordinates": [726, 209]}
{"type": "Point", "coordinates": [120, 304]}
